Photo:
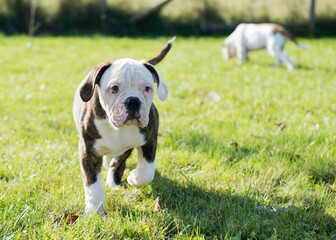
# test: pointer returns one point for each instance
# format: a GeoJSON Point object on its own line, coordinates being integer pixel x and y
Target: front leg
{"type": "Point", "coordinates": [145, 170]}
{"type": "Point", "coordinates": [241, 49]}
{"type": "Point", "coordinates": [92, 179]}
{"type": "Point", "coordinates": [279, 62]}
{"type": "Point", "coordinates": [241, 54]}
{"type": "Point", "coordinates": [116, 170]}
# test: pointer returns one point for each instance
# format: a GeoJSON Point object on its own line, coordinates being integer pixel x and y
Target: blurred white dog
{"type": "Point", "coordinates": [249, 37]}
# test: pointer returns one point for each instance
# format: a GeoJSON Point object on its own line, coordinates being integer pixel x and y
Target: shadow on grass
{"type": "Point", "coordinates": [217, 213]}
{"type": "Point", "coordinates": [202, 143]}
{"type": "Point", "coordinates": [190, 210]}
{"type": "Point", "coordinates": [194, 210]}
{"type": "Point", "coordinates": [233, 152]}
{"type": "Point", "coordinates": [312, 68]}
{"type": "Point", "coordinates": [299, 67]}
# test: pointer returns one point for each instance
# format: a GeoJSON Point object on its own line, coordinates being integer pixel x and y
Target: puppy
{"type": "Point", "coordinates": [114, 113]}
{"type": "Point", "coordinates": [250, 37]}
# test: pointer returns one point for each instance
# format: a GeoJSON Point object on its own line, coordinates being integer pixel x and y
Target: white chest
{"type": "Point", "coordinates": [116, 142]}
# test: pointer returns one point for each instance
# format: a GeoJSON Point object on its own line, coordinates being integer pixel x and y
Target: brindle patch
{"type": "Point", "coordinates": [118, 165]}
{"type": "Point", "coordinates": [280, 29]}
{"type": "Point", "coordinates": [151, 133]}
{"type": "Point", "coordinates": [99, 112]}
{"type": "Point", "coordinates": [87, 90]}
{"type": "Point", "coordinates": [153, 72]}
{"type": "Point", "coordinates": [91, 161]}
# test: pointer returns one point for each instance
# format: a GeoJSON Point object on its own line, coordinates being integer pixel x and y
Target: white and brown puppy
{"type": "Point", "coordinates": [250, 37]}
{"type": "Point", "coordinates": [114, 113]}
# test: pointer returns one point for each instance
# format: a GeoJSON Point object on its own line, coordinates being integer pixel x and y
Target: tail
{"type": "Point", "coordinates": [284, 31]}
{"type": "Point", "coordinates": [163, 52]}
{"type": "Point", "coordinates": [302, 46]}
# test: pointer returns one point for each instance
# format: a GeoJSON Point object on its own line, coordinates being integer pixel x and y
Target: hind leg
{"type": "Point", "coordinates": [285, 58]}
{"type": "Point", "coordinates": [116, 170]}
{"type": "Point", "coordinates": [241, 54]}
{"type": "Point", "coordinates": [278, 62]}
{"type": "Point", "coordinates": [275, 46]}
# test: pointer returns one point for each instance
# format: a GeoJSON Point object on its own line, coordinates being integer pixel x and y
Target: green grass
{"type": "Point", "coordinates": [225, 169]}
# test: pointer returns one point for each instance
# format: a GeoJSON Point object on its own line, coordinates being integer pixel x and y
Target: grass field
{"type": "Point", "coordinates": [258, 163]}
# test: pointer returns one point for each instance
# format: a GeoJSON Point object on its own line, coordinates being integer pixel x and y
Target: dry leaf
{"type": "Point", "coordinates": [69, 218]}
{"type": "Point", "coordinates": [158, 205]}
{"type": "Point", "coordinates": [296, 156]}
{"type": "Point", "coordinates": [36, 229]}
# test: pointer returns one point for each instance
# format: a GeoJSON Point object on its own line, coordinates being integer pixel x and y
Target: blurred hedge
{"type": "Point", "coordinates": [180, 17]}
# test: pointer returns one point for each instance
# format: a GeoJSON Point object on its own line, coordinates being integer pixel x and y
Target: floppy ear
{"type": "Point", "coordinates": [162, 89]}
{"type": "Point", "coordinates": [86, 91]}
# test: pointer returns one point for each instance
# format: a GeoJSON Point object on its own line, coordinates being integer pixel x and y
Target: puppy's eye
{"type": "Point", "coordinates": [114, 89]}
{"type": "Point", "coordinates": [147, 88]}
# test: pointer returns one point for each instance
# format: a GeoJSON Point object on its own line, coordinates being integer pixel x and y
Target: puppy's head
{"type": "Point", "coordinates": [126, 90]}
{"type": "Point", "coordinates": [228, 51]}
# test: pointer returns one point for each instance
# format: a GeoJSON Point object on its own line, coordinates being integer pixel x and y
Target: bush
{"type": "Point", "coordinates": [84, 16]}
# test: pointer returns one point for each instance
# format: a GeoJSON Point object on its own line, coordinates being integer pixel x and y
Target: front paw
{"type": "Point", "coordinates": [140, 178]}
{"type": "Point", "coordinates": [113, 186]}
{"type": "Point", "coordinates": [99, 210]}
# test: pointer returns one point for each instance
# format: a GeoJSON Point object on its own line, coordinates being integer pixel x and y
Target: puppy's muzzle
{"type": "Point", "coordinates": [133, 105]}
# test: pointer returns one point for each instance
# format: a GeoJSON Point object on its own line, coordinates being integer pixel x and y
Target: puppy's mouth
{"type": "Point", "coordinates": [133, 118]}
{"type": "Point", "coordinates": [128, 122]}
{"type": "Point", "coordinates": [132, 122]}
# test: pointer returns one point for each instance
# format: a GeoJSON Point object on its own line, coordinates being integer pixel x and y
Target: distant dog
{"type": "Point", "coordinates": [250, 37]}
{"type": "Point", "coordinates": [114, 113]}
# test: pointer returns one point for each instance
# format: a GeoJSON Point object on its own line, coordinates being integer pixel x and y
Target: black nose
{"type": "Point", "coordinates": [133, 104]}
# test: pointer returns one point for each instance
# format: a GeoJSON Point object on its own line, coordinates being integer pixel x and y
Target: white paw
{"type": "Point", "coordinates": [99, 210]}
{"type": "Point", "coordinates": [140, 177]}
{"type": "Point", "coordinates": [95, 197]}
{"type": "Point", "coordinates": [113, 186]}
